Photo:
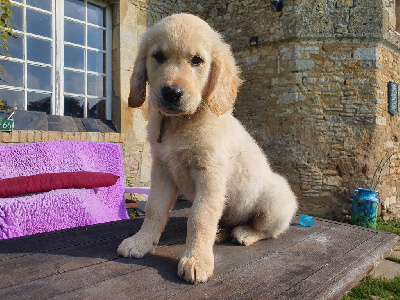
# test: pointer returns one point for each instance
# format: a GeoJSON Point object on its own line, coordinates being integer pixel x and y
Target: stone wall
{"type": "Point", "coordinates": [315, 91]}
{"type": "Point", "coordinates": [315, 96]}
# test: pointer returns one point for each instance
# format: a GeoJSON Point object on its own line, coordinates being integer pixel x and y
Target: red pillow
{"type": "Point", "coordinates": [52, 181]}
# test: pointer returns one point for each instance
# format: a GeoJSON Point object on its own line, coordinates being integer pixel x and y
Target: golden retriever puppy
{"type": "Point", "coordinates": [199, 148]}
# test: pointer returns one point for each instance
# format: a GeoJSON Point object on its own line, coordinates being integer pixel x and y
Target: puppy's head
{"type": "Point", "coordinates": [186, 64]}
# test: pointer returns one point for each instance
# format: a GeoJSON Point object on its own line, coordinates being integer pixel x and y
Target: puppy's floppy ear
{"type": "Point", "coordinates": [223, 81]}
{"type": "Point", "coordinates": [137, 93]}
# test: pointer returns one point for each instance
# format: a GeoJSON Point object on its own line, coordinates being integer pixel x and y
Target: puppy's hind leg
{"type": "Point", "coordinates": [247, 235]}
{"type": "Point", "coordinates": [277, 208]}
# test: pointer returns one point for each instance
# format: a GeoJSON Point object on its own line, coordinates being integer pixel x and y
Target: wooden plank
{"type": "Point", "coordinates": [44, 242]}
{"type": "Point", "coordinates": [344, 272]}
{"type": "Point", "coordinates": [115, 268]}
{"type": "Point", "coordinates": [270, 275]}
{"type": "Point", "coordinates": [314, 263]}
{"type": "Point", "coordinates": [58, 260]}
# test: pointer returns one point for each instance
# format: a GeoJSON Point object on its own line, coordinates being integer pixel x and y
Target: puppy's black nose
{"type": "Point", "coordinates": [171, 94]}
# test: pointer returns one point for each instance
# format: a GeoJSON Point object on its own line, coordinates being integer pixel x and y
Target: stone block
{"type": "Point", "coordinates": [251, 60]}
{"type": "Point", "coordinates": [366, 54]}
{"type": "Point", "coordinates": [344, 3]}
{"type": "Point", "coordinates": [301, 65]}
{"type": "Point", "coordinates": [380, 121]}
{"type": "Point", "coordinates": [289, 98]}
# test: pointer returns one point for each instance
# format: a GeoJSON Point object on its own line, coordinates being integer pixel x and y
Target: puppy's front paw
{"type": "Point", "coordinates": [136, 246]}
{"type": "Point", "coordinates": [196, 269]}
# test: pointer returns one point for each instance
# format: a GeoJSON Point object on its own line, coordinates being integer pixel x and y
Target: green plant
{"type": "Point", "coordinates": [133, 214]}
{"type": "Point", "coordinates": [5, 26]}
{"type": "Point", "coordinates": [5, 22]}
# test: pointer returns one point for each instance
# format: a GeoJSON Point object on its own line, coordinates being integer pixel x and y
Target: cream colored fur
{"type": "Point", "coordinates": [205, 153]}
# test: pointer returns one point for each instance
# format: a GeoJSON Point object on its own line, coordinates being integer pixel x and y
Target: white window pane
{"type": "Point", "coordinates": [38, 23]}
{"type": "Point", "coordinates": [75, 9]}
{"type": "Point", "coordinates": [96, 14]}
{"type": "Point", "coordinates": [16, 17]}
{"type": "Point", "coordinates": [74, 32]}
{"type": "Point", "coordinates": [39, 50]}
{"type": "Point", "coordinates": [15, 48]}
{"type": "Point", "coordinates": [74, 57]}
{"type": "Point", "coordinates": [95, 85]}
{"type": "Point", "coordinates": [73, 106]}
{"type": "Point", "coordinates": [13, 73]}
{"type": "Point", "coordinates": [39, 78]}
{"type": "Point", "coordinates": [74, 82]}
{"type": "Point", "coordinates": [96, 108]}
{"type": "Point", "coordinates": [43, 4]}
{"type": "Point", "coordinates": [12, 99]}
{"type": "Point", "coordinates": [96, 38]}
{"type": "Point", "coordinates": [39, 102]}
{"type": "Point", "coordinates": [96, 61]}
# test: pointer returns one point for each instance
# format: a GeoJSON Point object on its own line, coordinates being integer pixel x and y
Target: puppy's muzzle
{"type": "Point", "coordinates": [171, 95]}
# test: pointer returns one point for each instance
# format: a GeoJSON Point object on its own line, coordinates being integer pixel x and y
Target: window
{"type": "Point", "coordinates": [60, 60]}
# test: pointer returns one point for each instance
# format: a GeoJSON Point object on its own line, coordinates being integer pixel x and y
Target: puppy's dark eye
{"type": "Point", "coordinates": [160, 57]}
{"type": "Point", "coordinates": [196, 61]}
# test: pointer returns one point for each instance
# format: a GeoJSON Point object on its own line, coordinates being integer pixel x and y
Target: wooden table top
{"type": "Point", "coordinates": [319, 262]}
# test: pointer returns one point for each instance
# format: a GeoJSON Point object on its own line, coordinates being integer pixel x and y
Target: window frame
{"type": "Point", "coordinates": [57, 63]}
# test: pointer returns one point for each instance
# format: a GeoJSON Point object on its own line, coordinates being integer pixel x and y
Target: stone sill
{"type": "Point", "coordinates": [33, 136]}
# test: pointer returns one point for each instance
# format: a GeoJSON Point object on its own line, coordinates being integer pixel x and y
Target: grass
{"type": "Point", "coordinates": [378, 287]}
{"type": "Point", "coordinates": [389, 226]}
{"type": "Point", "coordinates": [381, 288]}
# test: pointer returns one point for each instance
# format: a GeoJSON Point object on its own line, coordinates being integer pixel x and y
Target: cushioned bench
{"type": "Point", "coordinates": [64, 165]}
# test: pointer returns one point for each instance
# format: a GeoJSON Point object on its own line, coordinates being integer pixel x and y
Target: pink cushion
{"type": "Point", "coordinates": [40, 183]}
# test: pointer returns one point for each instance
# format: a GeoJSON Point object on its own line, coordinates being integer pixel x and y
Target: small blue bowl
{"type": "Point", "coordinates": [306, 221]}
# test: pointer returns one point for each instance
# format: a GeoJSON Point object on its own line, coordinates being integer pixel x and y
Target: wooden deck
{"type": "Point", "coordinates": [321, 262]}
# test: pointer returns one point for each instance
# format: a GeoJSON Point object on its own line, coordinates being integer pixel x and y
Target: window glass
{"type": "Point", "coordinates": [39, 78]}
{"type": "Point", "coordinates": [74, 32]}
{"type": "Point", "coordinates": [39, 50]}
{"type": "Point", "coordinates": [39, 102]}
{"type": "Point", "coordinates": [96, 15]}
{"type": "Point", "coordinates": [38, 23]}
{"type": "Point", "coordinates": [96, 37]}
{"type": "Point", "coordinates": [73, 106]}
{"type": "Point", "coordinates": [29, 64]}
{"type": "Point", "coordinates": [15, 48]}
{"type": "Point", "coordinates": [95, 61]}
{"type": "Point", "coordinates": [12, 99]}
{"type": "Point", "coordinates": [96, 108]}
{"type": "Point", "coordinates": [74, 82]}
{"type": "Point", "coordinates": [16, 17]}
{"type": "Point", "coordinates": [43, 4]}
{"type": "Point", "coordinates": [74, 57]}
{"type": "Point", "coordinates": [74, 9]}
{"type": "Point", "coordinates": [13, 75]}
{"type": "Point", "coordinates": [95, 85]}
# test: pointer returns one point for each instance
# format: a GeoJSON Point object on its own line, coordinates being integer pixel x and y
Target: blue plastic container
{"type": "Point", "coordinates": [365, 207]}
{"type": "Point", "coordinates": [306, 221]}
